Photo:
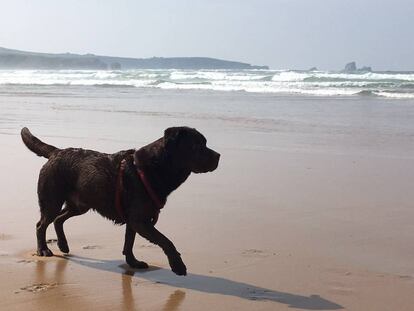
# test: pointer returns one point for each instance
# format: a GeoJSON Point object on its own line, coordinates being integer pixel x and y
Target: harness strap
{"type": "Point", "coordinates": [157, 203]}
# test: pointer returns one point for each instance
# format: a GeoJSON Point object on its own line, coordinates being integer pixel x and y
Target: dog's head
{"type": "Point", "coordinates": [189, 149]}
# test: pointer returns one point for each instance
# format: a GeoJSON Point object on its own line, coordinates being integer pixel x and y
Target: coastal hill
{"type": "Point", "coordinates": [15, 59]}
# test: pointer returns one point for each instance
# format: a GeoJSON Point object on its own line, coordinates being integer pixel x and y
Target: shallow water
{"type": "Point", "coordinates": [236, 120]}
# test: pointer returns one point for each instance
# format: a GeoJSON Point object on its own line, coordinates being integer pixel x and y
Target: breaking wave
{"type": "Point", "coordinates": [317, 83]}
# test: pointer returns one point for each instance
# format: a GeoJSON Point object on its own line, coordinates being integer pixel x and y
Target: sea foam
{"type": "Point", "coordinates": [318, 83]}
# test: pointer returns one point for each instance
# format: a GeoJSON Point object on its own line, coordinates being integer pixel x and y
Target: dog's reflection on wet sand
{"type": "Point", "coordinates": [51, 274]}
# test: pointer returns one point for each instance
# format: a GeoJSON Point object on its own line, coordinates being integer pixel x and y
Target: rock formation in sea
{"type": "Point", "coordinates": [365, 69]}
{"type": "Point", "coordinates": [352, 68]}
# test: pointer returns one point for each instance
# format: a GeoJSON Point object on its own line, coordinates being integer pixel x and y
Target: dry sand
{"type": "Point", "coordinates": [269, 230]}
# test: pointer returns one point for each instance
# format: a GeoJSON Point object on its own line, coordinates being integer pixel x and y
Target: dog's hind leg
{"type": "Point", "coordinates": [41, 227]}
{"type": "Point", "coordinates": [51, 192]}
{"type": "Point", "coordinates": [67, 212]}
{"type": "Point", "coordinates": [129, 255]}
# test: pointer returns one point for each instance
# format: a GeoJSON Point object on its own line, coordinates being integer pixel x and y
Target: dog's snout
{"type": "Point", "coordinates": [215, 162]}
{"type": "Point", "coordinates": [217, 156]}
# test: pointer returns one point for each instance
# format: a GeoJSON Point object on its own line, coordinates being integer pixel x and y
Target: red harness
{"type": "Point", "coordinates": [157, 203]}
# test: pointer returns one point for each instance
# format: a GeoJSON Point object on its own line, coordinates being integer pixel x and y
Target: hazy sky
{"type": "Point", "coordinates": [278, 33]}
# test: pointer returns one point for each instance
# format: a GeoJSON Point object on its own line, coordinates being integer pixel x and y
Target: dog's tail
{"type": "Point", "coordinates": [36, 145]}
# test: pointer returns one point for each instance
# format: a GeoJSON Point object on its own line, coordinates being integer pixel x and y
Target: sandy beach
{"type": "Point", "coordinates": [310, 208]}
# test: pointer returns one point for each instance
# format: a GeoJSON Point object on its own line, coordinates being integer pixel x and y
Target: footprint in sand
{"type": "Point", "coordinates": [147, 246]}
{"type": "Point", "coordinates": [92, 247]}
{"type": "Point", "coordinates": [253, 252]}
{"type": "Point", "coordinates": [26, 261]}
{"type": "Point", "coordinates": [4, 237]}
{"type": "Point", "coordinates": [405, 277]}
{"type": "Point", "coordinates": [35, 288]}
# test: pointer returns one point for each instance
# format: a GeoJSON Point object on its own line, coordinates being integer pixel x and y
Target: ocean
{"type": "Point", "coordinates": [398, 85]}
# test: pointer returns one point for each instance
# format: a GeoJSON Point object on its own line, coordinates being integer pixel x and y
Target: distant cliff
{"type": "Point", "coordinates": [14, 59]}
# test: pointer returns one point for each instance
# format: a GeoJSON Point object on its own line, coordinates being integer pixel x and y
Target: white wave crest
{"type": "Point", "coordinates": [395, 95]}
{"type": "Point", "coordinates": [288, 76]}
{"type": "Point", "coordinates": [391, 85]}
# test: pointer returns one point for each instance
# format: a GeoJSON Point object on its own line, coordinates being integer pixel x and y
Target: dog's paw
{"type": "Point", "coordinates": [44, 252]}
{"type": "Point", "coordinates": [136, 264]}
{"type": "Point", "coordinates": [178, 266]}
{"type": "Point", "coordinates": [63, 246]}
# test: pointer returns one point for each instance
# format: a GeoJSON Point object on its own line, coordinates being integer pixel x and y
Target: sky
{"type": "Point", "coordinates": [283, 34]}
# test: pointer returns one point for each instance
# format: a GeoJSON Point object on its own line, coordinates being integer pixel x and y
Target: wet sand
{"type": "Point", "coordinates": [320, 227]}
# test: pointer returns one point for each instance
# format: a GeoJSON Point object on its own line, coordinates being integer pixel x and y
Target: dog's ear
{"type": "Point", "coordinates": [173, 135]}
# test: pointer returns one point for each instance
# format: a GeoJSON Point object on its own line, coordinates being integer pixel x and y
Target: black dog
{"type": "Point", "coordinates": [128, 187]}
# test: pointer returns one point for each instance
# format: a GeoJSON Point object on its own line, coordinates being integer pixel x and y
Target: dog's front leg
{"type": "Point", "coordinates": [149, 232]}
{"type": "Point", "coordinates": [129, 255]}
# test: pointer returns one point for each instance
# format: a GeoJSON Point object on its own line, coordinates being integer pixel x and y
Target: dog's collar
{"type": "Point", "coordinates": [157, 203]}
